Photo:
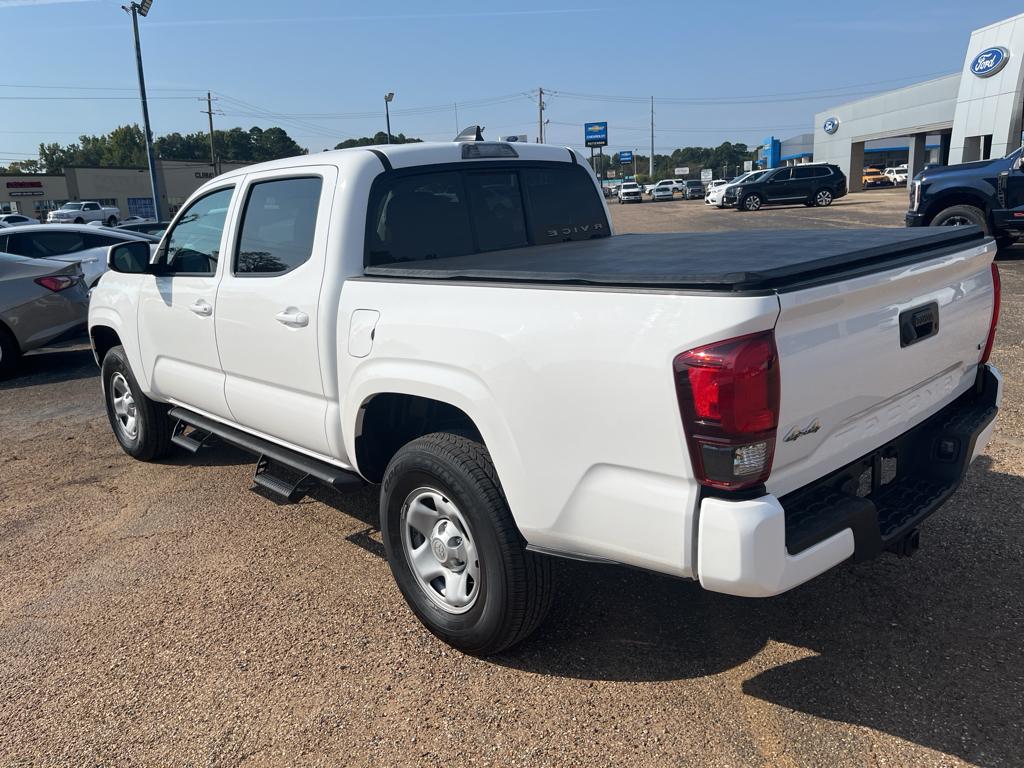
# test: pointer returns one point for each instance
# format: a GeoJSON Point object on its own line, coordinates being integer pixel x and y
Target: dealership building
{"type": "Point", "coordinates": [975, 114]}
{"type": "Point", "coordinates": [127, 188]}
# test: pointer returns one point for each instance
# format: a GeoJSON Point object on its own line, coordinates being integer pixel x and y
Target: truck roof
{"type": "Point", "coordinates": [408, 155]}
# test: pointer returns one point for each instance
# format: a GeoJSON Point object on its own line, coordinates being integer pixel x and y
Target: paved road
{"type": "Point", "coordinates": [163, 614]}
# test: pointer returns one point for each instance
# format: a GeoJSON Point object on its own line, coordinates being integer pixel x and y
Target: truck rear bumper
{"type": "Point", "coordinates": [765, 546]}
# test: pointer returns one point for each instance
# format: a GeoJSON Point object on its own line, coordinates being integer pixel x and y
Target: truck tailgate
{"type": "Point", "coordinates": [864, 359]}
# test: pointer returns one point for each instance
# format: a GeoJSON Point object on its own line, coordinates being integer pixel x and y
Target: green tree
{"type": "Point", "coordinates": [21, 167]}
{"type": "Point", "coordinates": [378, 138]}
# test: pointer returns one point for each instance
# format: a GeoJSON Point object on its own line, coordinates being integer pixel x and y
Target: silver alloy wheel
{"type": "Point", "coordinates": [956, 221]}
{"type": "Point", "coordinates": [752, 203]}
{"type": "Point", "coordinates": [125, 411]}
{"type": "Point", "coordinates": [824, 197]}
{"type": "Point", "coordinates": [440, 550]}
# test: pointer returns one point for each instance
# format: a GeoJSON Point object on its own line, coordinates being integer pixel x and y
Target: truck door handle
{"type": "Point", "coordinates": [292, 317]}
{"type": "Point", "coordinates": [201, 308]}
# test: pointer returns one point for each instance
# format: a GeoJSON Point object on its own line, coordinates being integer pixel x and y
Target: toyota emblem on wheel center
{"type": "Point", "coordinates": [831, 125]}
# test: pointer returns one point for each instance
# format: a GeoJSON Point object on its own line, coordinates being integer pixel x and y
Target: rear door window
{"type": "Point", "coordinates": [458, 212]}
{"type": "Point", "coordinates": [278, 226]}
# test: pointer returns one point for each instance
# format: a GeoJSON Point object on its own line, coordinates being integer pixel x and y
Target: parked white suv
{"type": "Point", "coordinates": [455, 323]}
{"type": "Point", "coordinates": [83, 213]}
{"type": "Point", "coordinates": [896, 176]}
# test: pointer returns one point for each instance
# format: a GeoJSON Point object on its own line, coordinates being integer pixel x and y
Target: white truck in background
{"type": "Point", "coordinates": [83, 213]}
{"type": "Point", "coordinates": [455, 323]}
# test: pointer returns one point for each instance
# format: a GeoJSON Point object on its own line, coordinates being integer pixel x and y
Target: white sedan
{"type": "Point", "coordinates": [16, 220]}
{"type": "Point", "coordinates": [716, 195]}
{"type": "Point", "coordinates": [69, 243]}
{"type": "Point", "coordinates": [661, 192]}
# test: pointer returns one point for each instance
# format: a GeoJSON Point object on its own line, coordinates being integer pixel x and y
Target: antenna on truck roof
{"type": "Point", "coordinates": [473, 133]}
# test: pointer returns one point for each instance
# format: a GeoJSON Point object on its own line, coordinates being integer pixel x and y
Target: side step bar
{"type": "Point", "coordinates": [307, 467]}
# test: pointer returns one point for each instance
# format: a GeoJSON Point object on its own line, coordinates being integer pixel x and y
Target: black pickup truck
{"type": "Point", "coordinates": [989, 193]}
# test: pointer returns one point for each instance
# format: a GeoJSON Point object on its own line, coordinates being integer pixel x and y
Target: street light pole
{"type": "Point", "coordinates": [135, 9]}
{"type": "Point", "coordinates": [387, 114]}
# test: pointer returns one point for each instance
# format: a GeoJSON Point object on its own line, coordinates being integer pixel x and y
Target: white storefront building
{"type": "Point", "coordinates": [975, 114]}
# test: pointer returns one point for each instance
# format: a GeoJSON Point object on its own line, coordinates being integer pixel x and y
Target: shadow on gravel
{"type": "Point", "coordinates": [928, 650]}
{"type": "Point", "coordinates": [51, 367]}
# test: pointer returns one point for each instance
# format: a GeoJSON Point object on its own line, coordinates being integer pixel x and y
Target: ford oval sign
{"type": "Point", "coordinates": [831, 125]}
{"type": "Point", "coordinates": [989, 61]}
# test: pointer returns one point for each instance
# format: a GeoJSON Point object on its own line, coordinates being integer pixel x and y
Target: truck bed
{"type": "Point", "coordinates": [753, 261]}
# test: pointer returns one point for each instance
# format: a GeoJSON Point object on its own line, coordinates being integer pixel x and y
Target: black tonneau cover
{"type": "Point", "coordinates": [730, 261]}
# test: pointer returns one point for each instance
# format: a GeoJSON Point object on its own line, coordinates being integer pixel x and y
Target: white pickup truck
{"type": "Point", "coordinates": [454, 323]}
{"type": "Point", "coordinates": [83, 213]}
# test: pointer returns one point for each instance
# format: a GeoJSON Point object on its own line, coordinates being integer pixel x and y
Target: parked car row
{"type": "Point", "coordinates": [47, 274]}
{"type": "Point", "coordinates": [631, 192]}
{"type": "Point", "coordinates": [875, 176]}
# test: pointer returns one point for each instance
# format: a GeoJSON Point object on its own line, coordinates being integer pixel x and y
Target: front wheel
{"type": "Point", "coordinates": [751, 202]}
{"type": "Point", "coordinates": [823, 198]}
{"type": "Point", "coordinates": [961, 216]}
{"type": "Point", "coordinates": [454, 548]}
{"type": "Point", "coordinates": [140, 425]}
{"type": "Point", "coordinates": [79, 220]}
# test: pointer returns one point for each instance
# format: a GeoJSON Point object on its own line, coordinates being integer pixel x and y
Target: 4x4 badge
{"type": "Point", "coordinates": [796, 433]}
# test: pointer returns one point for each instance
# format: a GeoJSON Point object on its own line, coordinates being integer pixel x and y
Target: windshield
{"type": "Point", "coordinates": [71, 207]}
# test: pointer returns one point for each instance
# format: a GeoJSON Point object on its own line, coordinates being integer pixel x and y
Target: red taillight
{"type": "Point", "coordinates": [997, 292]}
{"type": "Point", "coordinates": [56, 282]}
{"type": "Point", "coordinates": [729, 399]}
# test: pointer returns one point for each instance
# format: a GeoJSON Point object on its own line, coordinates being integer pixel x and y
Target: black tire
{"type": "Point", "coordinates": [152, 437]}
{"type": "Point", "coordinates": [10, 352]}
{"type": "Point", "coordinates": [1005, 241]}
{"type": "Point", "coordinates": [79, 220]}
{"type": "Point", "coordinates": [514, 591]}
{"type": "Point", "coordinates": [751, 202]}
{"type": "Point", "coordinates": [112, 222]}
{"type": "Point", "coordinates": [823, 198]}
{"type": "Point", "coordinates": [961, 215]}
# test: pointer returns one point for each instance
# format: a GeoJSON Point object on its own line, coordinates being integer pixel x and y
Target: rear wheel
{"type": "Point", "coordinates": [111, 222]}
{"type": "Point", "coordinates": [823, 198]}
{"type": "Point", "coordinates": [140, 425]}
{"type": "Point", "coordinates": [454, 548]}
{"type": "Point", "coordinates": [961, 216]}
{"type": "Point", "coordinates": [10, 352]}
{"type": "Point", "coordinates": [751, 202]}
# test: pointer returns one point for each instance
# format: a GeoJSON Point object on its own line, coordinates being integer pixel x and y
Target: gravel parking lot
{"type": "Point", "coordinates": [162, 614]}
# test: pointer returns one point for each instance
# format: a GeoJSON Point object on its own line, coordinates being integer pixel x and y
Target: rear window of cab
{"type": "Point", "coordinates": [455, 211]}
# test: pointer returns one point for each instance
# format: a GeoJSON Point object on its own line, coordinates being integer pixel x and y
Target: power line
{"type": "Point", "coordinates": [738, 98]}
{"type": "Point", "coordinates": [89, 98]}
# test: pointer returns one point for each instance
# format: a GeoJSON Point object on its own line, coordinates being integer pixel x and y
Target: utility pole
{"type": "Point", "coordinates": [209, 114]}
{"type": "Point", "coordinates": [540, 115]}
{"type": "Point", "coordinates": [457, 129]}
{"type": "Point", "coordinates": [134, 10]}
{"type": "Point", "coordinates": [652, 139]}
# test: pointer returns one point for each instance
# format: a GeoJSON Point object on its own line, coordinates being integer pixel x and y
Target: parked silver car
{"type": "Point", "coordinates": [40, 299]}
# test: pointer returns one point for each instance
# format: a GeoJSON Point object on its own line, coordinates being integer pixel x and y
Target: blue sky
{"type": "Point", "coordinates": [320, 68]}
